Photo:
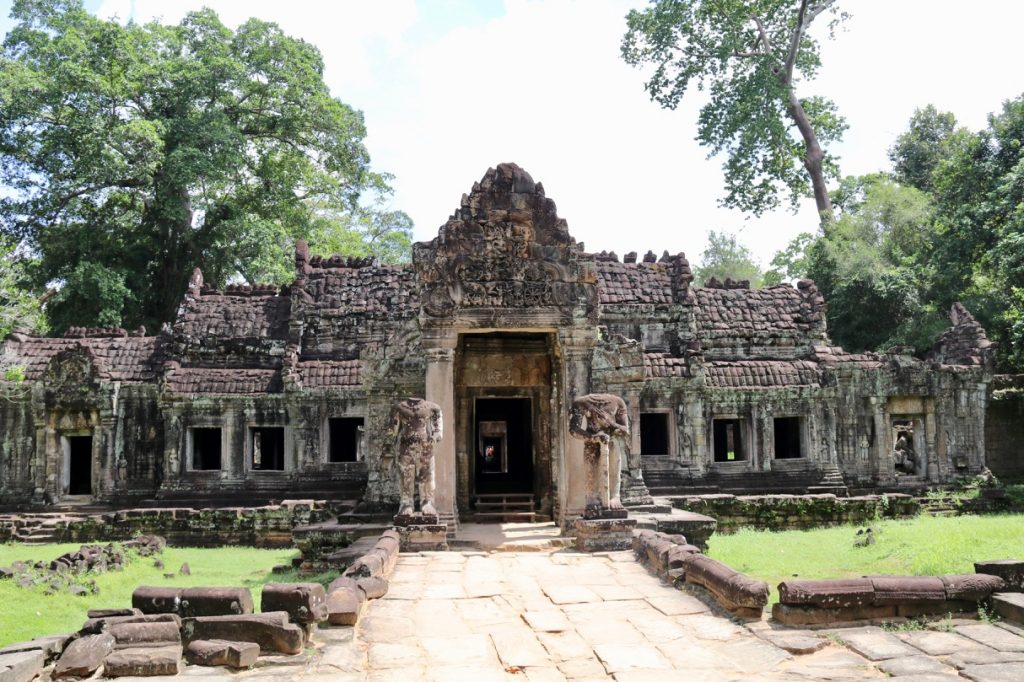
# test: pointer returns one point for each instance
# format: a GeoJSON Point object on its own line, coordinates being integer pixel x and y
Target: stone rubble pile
{"type": "Point", "coordinates": [203, 626]}
{"type": "Point", "coordinates": [70, 571]}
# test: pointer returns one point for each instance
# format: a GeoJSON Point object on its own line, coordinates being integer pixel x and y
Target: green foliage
{"type": "Point", "coordinates": [19, 307]}
{"type": "Point", "coordinates": [919, 151]}
{"type": "Point", "coordinates": [925, 545]}
{"type": "Point", "coordinates": [138, 152]}
{"type": "Point", "coordinates": [791, 262]}
{"type": "Point", "coordinates": [747, 57]}
{"type": "Point", "coordinates": [725, 257]}
{"type": "Point", "coordinates": [31, 613]}
{"type": "Point", "coordinates": [15, 375]}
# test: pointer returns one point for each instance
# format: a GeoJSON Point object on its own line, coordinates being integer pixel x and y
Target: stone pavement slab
{"type": "Point", "coordinates": [997, 672]}
{"type": "Point", "coordinates": [939, 643]}
{"type": "Point", "coordinates": [874, 643]}
{"type": "Point", "coordinates": [914, 665]}
{"type": "Point", "coordinates": [992, 636]}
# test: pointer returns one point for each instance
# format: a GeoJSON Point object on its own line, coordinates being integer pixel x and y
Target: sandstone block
{"type": "Point", "coordinates": [215, 601]}
{"type": "Point", "coordinates": [214, 652]}
{"type": "Point", "coordinates": [840, 593]}
{"type": "Point", "coordinates": [83, 656]}
{"type": "Point", "coordinates": [50, 645]}
{"type": "Point", "coordinates": [1010, 606]}
{"type": "Point", "coordinates": [344, 582]}
{"type": "Point", "coordinates": [790, 614]}
{"type": "Point", "coordinates": [96, 625]}
{"type": "Point", "coordinates": [373, 587]}
{"type": "Point", "coordinates": [891, 590]}
{"type": "Point", "coordinates": [107, 613]}
{"type": "Point", "coordinates": [304, 602]}
{"type": "Point", "coordinates": [1010, 570]}
{"type": "Point", "coordinates": [150, 599]}
{"type": "Point", "coordinates": [972, 586]}
{"type": "Point", "coordinates": [271, 631]}
{"type": "Point", "coordinates": [21, 666]}
{"type": "Point", "coordinates": [127, 635]}
{"type": "Point", "coordinates": [144, 662]}
{"type": "Point", "coordinates": [344, 605]}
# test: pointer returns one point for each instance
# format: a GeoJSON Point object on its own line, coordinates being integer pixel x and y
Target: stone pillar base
{"type": "Point", "coordinates": [427, 537]}
{"type": "Point", "coordinates": [604, 535]}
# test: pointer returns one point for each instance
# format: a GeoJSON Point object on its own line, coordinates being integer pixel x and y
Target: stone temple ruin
{"type": "Point", "coordinates": [502, 320]}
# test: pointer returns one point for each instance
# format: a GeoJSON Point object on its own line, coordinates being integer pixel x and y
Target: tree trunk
{"type": "Point", "coordinates": [813, 157]}
{"type": "Point", "coordinates": [170, 220]}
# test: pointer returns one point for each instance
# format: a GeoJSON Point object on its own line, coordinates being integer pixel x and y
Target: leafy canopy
{"type": "Point", "coordinates": [748, 56]}
{"type": "Point", "coordinates": [135, 153]}
{"type": "Point", "coordinates": [726, 258]}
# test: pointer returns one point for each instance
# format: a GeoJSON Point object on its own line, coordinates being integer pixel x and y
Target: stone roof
{"type": "Point", "coordinates": [129, 359]}
{"type": "Point", "coordinates": [633, 282]}
{"type": "Point", "coordinates": [762, 374]}
{"type": "Point", "coordinates": [330, 374]}
{"type": "Point", "coordinates": [834, 355]}
{"type": "Point", "coordinates": [965, 343]}
{"type": "Point", "coordinates": [208, 381]}
{"type": "Point", "coordinates": [233, 315]}
{"type": "Point", "coordinates": [658, 365]}
{"type": "Point", "coordinates": [380, 291]}
{"type": "Point", "coordinates": [765, 311]}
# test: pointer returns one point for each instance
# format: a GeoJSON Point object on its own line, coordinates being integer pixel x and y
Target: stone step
{"type": "Point", "coordinates": [1009, 605]}
{"type": "Point", "coordinates": [505, 516]}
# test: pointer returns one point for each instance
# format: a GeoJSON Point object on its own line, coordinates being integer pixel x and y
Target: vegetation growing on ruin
{"type": "Point", "coordinates": [925, 545]}
{"type": "Point", "coordinates": [30, 612]}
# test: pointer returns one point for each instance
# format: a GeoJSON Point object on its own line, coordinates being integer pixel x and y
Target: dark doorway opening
{"type": "Point", "coordinates": [654, 433]}
{"type": "Point", "coordinates": [344, 434]}
{"type": "Point", "coordinates": [206, 449]}
{"type": "Point", "coordinates": [79, 465]}
{"type": "Point", "coordinates": [728, 435]}
{"type": "Point", "coordinates": [268, 448]}
{"type": "Point", "coordinates": [787, 438]}
{"type": "Point", "coordinates": [503, 440]}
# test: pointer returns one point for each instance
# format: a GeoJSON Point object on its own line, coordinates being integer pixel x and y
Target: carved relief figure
{"type": "Point", "coordinates": [417, 425]}
{"type": "Point", "coordinates": [597, 419]}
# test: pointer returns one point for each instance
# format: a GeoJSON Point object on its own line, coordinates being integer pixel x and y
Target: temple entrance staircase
{"type": "Point", "coordinates": [505, 508]}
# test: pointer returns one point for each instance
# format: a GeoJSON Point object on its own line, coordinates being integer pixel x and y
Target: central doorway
{"type": "Point", "coordinates": [79, 454]}
{"type": "Point", "coordinates": [504, 445]}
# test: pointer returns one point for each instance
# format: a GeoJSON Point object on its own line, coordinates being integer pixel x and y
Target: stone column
{"type": "Point", "coordinates": [440, 389]}
{"type": "Point", "coordinates": [576, 353]}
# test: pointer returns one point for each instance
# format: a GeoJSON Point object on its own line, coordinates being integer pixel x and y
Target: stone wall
{"type": "Point", "coordinates": [796, 512]}
{"type": "Point", "coordinates": [1004, 428]}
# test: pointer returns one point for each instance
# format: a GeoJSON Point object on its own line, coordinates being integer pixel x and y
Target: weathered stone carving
{"type": "Point", "coordinates": [598, 419]}
{"type": "Point", "coordinates": [416, 424]}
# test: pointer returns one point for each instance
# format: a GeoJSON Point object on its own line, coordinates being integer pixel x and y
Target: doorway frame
{"type": "Point", "coordinates": [65, 469]}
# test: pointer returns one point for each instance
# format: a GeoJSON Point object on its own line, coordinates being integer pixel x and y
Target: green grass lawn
{"type": "Point", "coordinates": [28, 612]}
{"type": "Point", "coordinates": [922, 546]}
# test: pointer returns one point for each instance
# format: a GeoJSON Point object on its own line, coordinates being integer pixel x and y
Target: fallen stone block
{"type": "Point", "coordinates": [143, 662]}
{"type": "Point", "coordinates": [1009, 605]}
{"type": "Point", "coordinates": [215, 601]}
{"type": "Point", "coordinates": [790, 614]}
{"type": "Point", "coordinates": [373, 587]}
{"type": "Point", "coordinates": [344, 605]}
{"type": "Point", "coordinates": [892, 590]}
{"type": "Point", "coordinates": [972, 586]}
{"type": "Point", "coordinates": [271, 631]}
{"type": "Point", "coordinates": [842, 593]}
{"type": "Point", "coordinates": [371, 563]}
{"type": "Point", "coordinates": [303, 602]}
{"type": "Point", "coordinates": [1010, 570]}
{"type": "Point", "coordinates": [21, 666]}
{"type": "Point", "coordinates": [83, 656]}
{"type": "Point", "coordinates": [127, 635]}
{"type": "Point", "coordinates": [344, 582]}
{"type": "Point", "coordinates": [216, 652]}
{"type": "Point", "coordinates": [107, 613]}
{"type": "Point", "coordinates": [50, 645]}
{"type": "Point", "coordinates": [150, 599]}
{"type": "Point", "coordinates": [97, 625]}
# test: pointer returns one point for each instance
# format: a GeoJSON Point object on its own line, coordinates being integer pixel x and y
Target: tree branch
{"type": "Point", "coordinates": [804, 17]}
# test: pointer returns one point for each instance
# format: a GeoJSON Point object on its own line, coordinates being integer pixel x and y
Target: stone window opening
{"type": "Point", "coordinates": [906, 453]}
{"type": "Point", "coordinates": [206, 448]}
{"type": "Point", "coordinates": [267, 448]}
{"type": "Point", "coordinates": [345, 438]}
{"type": "Point", "coordinates": [728, 440]}
{"type": "Point", "coordinates": [655, 438]}
{"type": "Point", "coordinates": [788, 438]}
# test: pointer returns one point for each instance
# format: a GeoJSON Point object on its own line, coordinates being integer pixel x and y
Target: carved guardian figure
{"type": "Point", "coordinates": [417, 425]}
{"type": "Point", "coordinates": [598, 419]}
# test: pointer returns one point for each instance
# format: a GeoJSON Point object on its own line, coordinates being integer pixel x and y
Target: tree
{"type": "Point", "coordinates": [918, 152]}
{"type": "Point", "coordinates": [791, 262]}
{"type": "Point", "coordinates": [138, 152]}
{"type": "Point", "coordinates": [749, 55]}
{"type": "Point", "coordinates": [726, 258]}
{"type": "Point", "coordinates": [18, 306]}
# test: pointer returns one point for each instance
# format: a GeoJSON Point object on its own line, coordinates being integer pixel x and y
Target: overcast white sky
{"type": "Point", "coordinates": [450, 87]}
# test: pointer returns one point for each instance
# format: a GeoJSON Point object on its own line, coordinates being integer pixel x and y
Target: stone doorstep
{"type": "Point", "coordinates": [1009, 605]}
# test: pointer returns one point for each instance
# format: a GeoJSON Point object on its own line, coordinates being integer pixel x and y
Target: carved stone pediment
{"type": "Point", "coordinates": [72, 377]}
{"type": "Point", "coordinates": [505, 248]}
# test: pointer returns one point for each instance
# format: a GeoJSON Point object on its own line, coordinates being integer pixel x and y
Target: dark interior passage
{"type": "Point", "coordinates": [787, 438]}
{"type": "Point", "coordinates": [344, 433]}
{"type": "Point", "coordinates": [268, 448]}
{"type": "Point", "coordinates": [80, 465]}
{"type": "Point", "coordinates": [503, 430]}
{"type": "Point", "coordinates": [206, 453]}
{"type": "Point", "coordinates": [654, 433]}
{"type": "Point", "coordinates": [728, 436]}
